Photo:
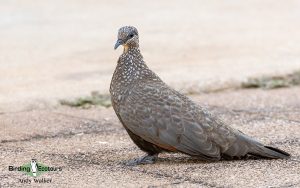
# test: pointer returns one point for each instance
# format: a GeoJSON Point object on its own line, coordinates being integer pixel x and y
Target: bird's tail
{"type": "Point", "coordinates": [245, 145]}
{"type": "Point", "coordinates": [269, 152]}
{"type": "Point", "coordinates": [258, 149]}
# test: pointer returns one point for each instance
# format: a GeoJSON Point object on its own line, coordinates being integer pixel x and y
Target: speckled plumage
{"type": "Point", "coordinates": [158, 118]}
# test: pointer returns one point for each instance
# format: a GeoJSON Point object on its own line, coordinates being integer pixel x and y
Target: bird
{"type": "Point", "coordinates": [160, 119]}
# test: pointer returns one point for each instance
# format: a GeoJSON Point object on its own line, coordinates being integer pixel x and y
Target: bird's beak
{"type": "Point", "coordinates": [118, 43]}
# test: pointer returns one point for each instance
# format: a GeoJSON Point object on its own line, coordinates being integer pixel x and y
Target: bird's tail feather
{"type": "Point", "coordinates": [258, 149]}
{"type": "Point", "coordinates": [269, 152]}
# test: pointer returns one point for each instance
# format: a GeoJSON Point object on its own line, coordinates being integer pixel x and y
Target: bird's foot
{"type": "Point", "coordinates": [148, 159]}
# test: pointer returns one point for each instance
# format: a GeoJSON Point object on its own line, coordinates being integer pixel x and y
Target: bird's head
{"type": "Point", "coordinates": [128, 37]}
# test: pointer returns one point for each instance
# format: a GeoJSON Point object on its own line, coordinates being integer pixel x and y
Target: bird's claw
{"type": "Point", "coordinates": [148, 159]}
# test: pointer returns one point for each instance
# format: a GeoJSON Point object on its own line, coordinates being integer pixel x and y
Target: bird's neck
{"type": "Point", "coordinates": [130, 70]}
{"type": "Point", "coordinates": [129, 62]}
{"type": "Point", "coordinates": [126, 74]}
{"type": "Point", "coordinates": [131, 50]}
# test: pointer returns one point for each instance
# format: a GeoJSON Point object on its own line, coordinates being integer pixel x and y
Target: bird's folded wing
{"type": "Point", "coordinates": [170, 120]}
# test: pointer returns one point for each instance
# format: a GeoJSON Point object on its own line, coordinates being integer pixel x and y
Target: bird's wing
{"type": "Point", "coordinates": [166, 118]}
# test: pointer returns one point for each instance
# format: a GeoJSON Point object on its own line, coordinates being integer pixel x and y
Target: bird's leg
{"type": "Point", "coordinates": [147, 159]}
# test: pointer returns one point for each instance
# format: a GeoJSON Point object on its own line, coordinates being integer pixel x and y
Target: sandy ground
{"type": "Point", "coordinates": [62, 49]}
{"type": "Point", "coordinates": [91, 146]}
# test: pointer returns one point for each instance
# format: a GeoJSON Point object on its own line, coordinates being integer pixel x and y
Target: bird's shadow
{"type": "Point", "coordinates": [175, 160]}
{"type": "Point", "coordinates": [189, 160]}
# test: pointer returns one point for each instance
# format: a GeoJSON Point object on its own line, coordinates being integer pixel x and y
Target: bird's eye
{"type": "Point", "coordinates": [131, 35]}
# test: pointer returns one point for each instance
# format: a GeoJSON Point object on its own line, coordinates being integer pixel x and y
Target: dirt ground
{"type": "Point", "coordinates": [51, 50]}
{"type": "Point", "coordinates": [91, 146]}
